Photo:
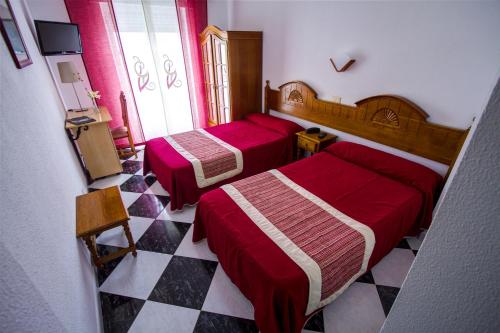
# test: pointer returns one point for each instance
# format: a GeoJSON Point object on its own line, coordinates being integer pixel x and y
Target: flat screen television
{"type": "Point", "coordinates": [58, 38]}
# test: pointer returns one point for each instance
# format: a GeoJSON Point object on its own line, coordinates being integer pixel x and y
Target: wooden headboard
{"type": "Point", "coordinates": [389, 120]}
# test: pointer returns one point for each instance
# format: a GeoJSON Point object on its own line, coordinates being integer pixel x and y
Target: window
{"type": "Point", "coordinates": [151, 42]}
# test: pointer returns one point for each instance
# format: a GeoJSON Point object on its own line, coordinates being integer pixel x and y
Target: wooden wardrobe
{"type": "Point", "coordinates": [232, 69]}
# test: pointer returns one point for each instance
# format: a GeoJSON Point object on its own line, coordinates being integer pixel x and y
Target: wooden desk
{"type": "Point", "coordinates": [95, 143]}
{"type": "Point", "coordinates": [311, 142]}
{"type": "Point", "coordinates": [100, 211]}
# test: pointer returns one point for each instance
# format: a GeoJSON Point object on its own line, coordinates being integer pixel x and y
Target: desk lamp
{"type": "Point", "coordinates": [68, 74]}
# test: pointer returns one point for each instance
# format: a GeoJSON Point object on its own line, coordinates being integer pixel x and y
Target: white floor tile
{"type": "Point", "coordinates": [129, 197]}
{"type": "Point", "coordinates": [136, 276]}
{"type": "Point", "coordinates": [159, 317]}
{"type": "Point", "coordinates": [224, 297]}
{"type": "Point", "coordinates": [357, 310]}
{"type": "Point", "coordinates": [415, 242]}
{"type": "Point", "coordinates": [116, 236]}
{"type": "Point", "coordinates": [156, 188]}
{"type": "Point", "coordinates": [140, 156]}
{"type": "Point", "coordinates": [110, 181]}
{"type": "Point", "coordinates": [184, 215]}
{"type": "Point", "coordinates": [139, 173]}
{"type": "Point", "coordinates": [198, 250]}
{"type": "Point", "coordinates": [392, 270]}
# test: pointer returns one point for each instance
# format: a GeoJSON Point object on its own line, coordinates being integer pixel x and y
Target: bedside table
{"type": "Point", "coordinates": [311, 143]}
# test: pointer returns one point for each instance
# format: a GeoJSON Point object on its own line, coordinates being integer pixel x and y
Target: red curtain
{"type": "Point", "coordinates": [104, 61]}
{"type": "Point", "coordinates": [192, 15]}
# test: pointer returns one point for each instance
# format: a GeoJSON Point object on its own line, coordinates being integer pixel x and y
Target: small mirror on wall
{"type": "Point", "coordinates": [12, 36]}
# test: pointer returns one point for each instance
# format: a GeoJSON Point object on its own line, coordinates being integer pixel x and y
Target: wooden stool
{"type": "Point", "coordinates": [100, 211]}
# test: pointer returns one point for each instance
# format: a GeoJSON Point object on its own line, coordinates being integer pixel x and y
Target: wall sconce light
{"type": "Point", "coordinates": [343, 63]}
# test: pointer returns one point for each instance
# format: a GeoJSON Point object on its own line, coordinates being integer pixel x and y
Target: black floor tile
{"type": "Point", "coordinates": [107, 269]}
{"type": "Point", "coordinates": [150, 179]}
{"type": "Point", "coordinates": [163, 236]}
{"type": "Point", "coordinates": [387, 296]}
{"type": "Point", "coordinates": [119, 312]}
{"type": "Point", "coordinates": [148, 205]}
{"type": "Point", "coordinates": [131, 166]}
{"type": "Point", "coordinates": [184, 282]}
{"type": "Point", "coordinates": [403, 244]}
{"type": "Point", "coordinates": [366, 278]}
{"type": "Point", "coordinates": [209, 322]}
{"type": "Point", "coordinates": [315, 323]}
{"type": "Point", "coordinates": [135, 183]}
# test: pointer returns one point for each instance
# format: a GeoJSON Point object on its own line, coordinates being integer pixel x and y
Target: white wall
{"type": "Point", "coordinates": [453, 283]}
{"type": "Point", "coordinates": [43, 263]}
{"type": "Point", "coordinates": [444, 56]}
{"type": "Point", "coordinates": [55, 10]}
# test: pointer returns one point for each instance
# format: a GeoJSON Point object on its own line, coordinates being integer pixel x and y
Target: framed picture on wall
{"type": "Point", "coordinates": [12, 35]}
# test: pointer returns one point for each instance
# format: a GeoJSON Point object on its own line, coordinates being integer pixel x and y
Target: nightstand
{"type": "Point", "coordinates": [311, 143]}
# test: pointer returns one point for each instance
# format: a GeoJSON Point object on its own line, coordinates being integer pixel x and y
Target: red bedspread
{"type": "Point", "coordinates": [266, 142]}
{"type": "Point", "coordinates": [276, 286]}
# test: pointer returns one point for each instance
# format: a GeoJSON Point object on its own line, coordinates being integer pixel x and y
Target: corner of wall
{"type": "Point", "coordinates": [449, 286]}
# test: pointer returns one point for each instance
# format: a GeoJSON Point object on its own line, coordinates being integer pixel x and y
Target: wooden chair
{"type": "Point", "coordinates": [124, 131]}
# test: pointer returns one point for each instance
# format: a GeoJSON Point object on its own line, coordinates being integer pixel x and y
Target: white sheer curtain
{"type": "Point", "coordinates": [151, 42]}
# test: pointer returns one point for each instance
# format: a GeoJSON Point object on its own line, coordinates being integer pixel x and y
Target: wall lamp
{"type": "Point", "coordinates": [343, 63]}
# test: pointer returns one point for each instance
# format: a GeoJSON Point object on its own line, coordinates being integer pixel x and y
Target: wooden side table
{"type": "Point", "coordinates": [311, 143]}
{"type": "Point", "coordinates": [100, 211]}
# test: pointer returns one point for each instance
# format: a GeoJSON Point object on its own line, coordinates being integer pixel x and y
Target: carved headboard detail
{"type": "Point", "coordinates": [386, 117]}
{"type": "Point", "coordinates": [296, 97]}
{"type": "Point", "coordinates": [390, 120]}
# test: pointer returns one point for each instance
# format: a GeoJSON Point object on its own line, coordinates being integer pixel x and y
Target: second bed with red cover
{"type": "Point", "coordinates": [389, 196]}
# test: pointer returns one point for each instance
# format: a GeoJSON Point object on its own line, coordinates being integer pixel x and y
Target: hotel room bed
{"type": "Point", "coordinates": [375, 199]}
{"type": "Point", "coordinates": [264, 141]}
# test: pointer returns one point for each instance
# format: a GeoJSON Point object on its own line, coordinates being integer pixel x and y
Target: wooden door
{"type": "Point", "coordinates": [220, 56]}
{"type": "Point", "coordinates": [210, 84]}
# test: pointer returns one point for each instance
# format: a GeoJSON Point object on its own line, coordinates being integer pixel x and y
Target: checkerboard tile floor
{"type": "Point", "coordinates": [176, 286]}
